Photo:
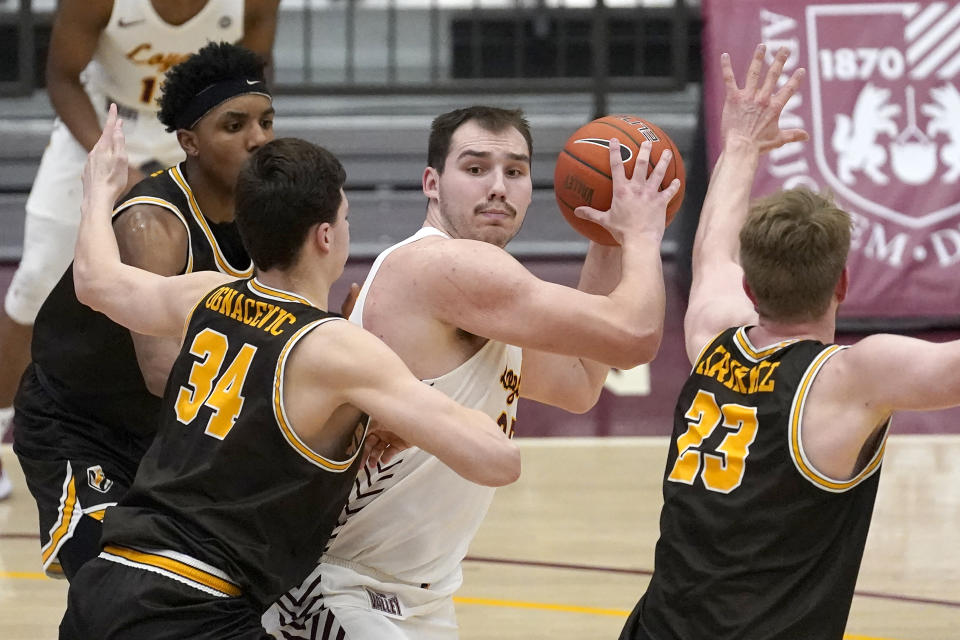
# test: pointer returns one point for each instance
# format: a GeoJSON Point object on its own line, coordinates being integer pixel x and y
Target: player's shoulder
{"type": "Point", "coordinates": [84, 15]}
{"type": "Point", "coordinates": [448, 252]}
{"type": "Point", "coordinates": [335, 347]}
{"type": "Point", "coordinates": [859, 362]}
{"type": "Point", "coordinates": [877, 347]}
{"type": "Point", "coordinates": [146, 217]}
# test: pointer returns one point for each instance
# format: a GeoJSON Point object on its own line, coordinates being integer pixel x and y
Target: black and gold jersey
{"type": "Point", "coordinates": [754, 542]}
{"type": "Point", "coordinates": [228, 490]}
{"type": "Point", "coordinates": [86, 361]}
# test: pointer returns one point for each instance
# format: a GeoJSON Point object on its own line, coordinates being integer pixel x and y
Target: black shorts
{"type": "Point", "coordinates": [75, 468]}
{"type": "Point", "coordinates": [112, 601]}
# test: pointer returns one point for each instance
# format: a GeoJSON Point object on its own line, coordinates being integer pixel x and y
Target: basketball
{"type": "Point", "coordinates": [582, 176]}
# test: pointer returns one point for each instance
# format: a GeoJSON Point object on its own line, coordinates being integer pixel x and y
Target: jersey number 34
{"type": "Point", "coordinates": [207, 387]}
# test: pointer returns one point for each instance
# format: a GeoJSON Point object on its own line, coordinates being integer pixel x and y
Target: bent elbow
{"type": "Point", "coordinates": [643, 348]}
{"type": "Point", "coordinates": [580, 403]}
{"type": "Point", "coordinates": [83, 286]}
{"type": "Point", "coordinates": [507, 469]}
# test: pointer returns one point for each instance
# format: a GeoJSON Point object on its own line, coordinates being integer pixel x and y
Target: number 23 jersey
{"type": "Point", "coordinates": [752, 537]}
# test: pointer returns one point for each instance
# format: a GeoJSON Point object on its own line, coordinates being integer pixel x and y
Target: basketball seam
{"type": "Point", "coordinates": [566, 204]}
{"type": "Point", "coordinates": [628, 134]}
{"type": "Point", "coordinates": [589, 166]}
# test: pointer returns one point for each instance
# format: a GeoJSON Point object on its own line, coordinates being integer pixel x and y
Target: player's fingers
{"type": "Point", "coordinates": [671, 190]}
{"type": "Point", "coordinates": [369, 443]}
{"type": "Point", "coordinates": [790, 87]}
{"type": "Point", "coordinates": [753, 71]}
{"type": "Point", "coordinates": [660, 169]}
{"type": "Point", "coordinates": [588, 213]}
{"type": "Point", "coordinates": [794, 135]}
{"type": "Point", "coordinates": [773, 73]}
{"type": "Point", "coordinates": [397, 444]}
{"type": "Point", "coordinates": [376, 454]}
{"type": "Point", "coordinates": [389, 454]}
{"type": "Point", "coordinates": [616, 160]}
{"type": "Point", "coordinates": [111, 118]}
{"type": "Point", "coordinates": [726, 69]}
{"type": "Point", "coordinates": [642, 165]}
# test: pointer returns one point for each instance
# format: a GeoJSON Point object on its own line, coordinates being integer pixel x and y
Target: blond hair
{"type": "Point", "coordinates": [793, 248]}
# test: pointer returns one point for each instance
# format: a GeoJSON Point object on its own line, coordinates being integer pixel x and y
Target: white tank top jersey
{"type": "Point", "coordinates": [138, 47]}
{"type": "Point", "coordinates": [414, 518]}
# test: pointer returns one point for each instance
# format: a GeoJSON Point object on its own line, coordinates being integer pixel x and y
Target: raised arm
{"type": "Point", "coordinates": [143, 302]}
{"type": "Point", "coordinates": [749, 127]}
{"type": "Point", "coordinates": [340, 363]}
{"type": "Point", "coordinates": [481, 289]}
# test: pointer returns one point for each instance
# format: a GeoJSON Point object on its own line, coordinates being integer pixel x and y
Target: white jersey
{"type": "Point", "coordinates": [414, 518]}
{"type": "Point", "coordinates": [138, 47]}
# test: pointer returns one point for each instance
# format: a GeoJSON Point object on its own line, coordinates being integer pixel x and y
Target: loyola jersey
{"type": "Point", "coordinates": [134, 53]}
{"type": "Point", "coordinates": [138, 47]}
{"type": "Point", "coordinates": [229, 497]}
{"type": "Point", "coordinates": [85, 360]}
{"type": "Point", "coordinates": [755, 543]}
{"type": "Point", "coordinates": [414, 518]}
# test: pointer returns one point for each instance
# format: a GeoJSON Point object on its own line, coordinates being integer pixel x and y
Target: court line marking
{"type": "Point", "coordinates": [566, 608]}
{"type": "Point", "coordinates": [570, 567]}
{"type": "Point", "coordinates": [562, 442]}
{"type": "Point", "coordinates": [24, 575]}
{"type": "Point", "coordinates": [648, 572]}
{"type": "Point", "coordinates": [483, 602]}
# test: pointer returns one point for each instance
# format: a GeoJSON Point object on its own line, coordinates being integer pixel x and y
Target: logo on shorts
{"type": "Point", "coordinates": [387, 603]}
{"type": "Point", "coordinates": [97, 479]}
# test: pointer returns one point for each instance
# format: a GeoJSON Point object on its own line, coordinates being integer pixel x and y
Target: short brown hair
{"type": "Point", "coordinates": [492, 119]}
{"type": "Point", "coordinates": [793, 248]}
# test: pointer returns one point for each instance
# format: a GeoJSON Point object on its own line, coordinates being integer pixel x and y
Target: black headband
{"type": "Point", "coordinates": [215, 95]}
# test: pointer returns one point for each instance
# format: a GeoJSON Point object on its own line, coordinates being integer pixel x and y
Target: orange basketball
{"type": "Point", "coordinates": [582, 176]}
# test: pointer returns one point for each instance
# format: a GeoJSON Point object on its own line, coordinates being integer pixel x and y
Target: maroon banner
{"type": "Point", "coordinates": [882, 108]}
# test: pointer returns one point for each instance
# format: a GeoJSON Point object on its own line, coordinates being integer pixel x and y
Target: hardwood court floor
{"type": "Point", "coordinates": [566, 551]}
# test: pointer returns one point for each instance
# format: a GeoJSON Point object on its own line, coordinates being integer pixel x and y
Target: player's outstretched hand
{"type": "Point", "coordinates": [639, 206]}
{"type": "Point", "coordinates": [381, 445]}
{"type": "Point", "coordinates": [105, 173]}
{"type": "Point", "coordinates": [752, 113]}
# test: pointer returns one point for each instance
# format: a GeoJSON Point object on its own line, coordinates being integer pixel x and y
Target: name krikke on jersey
{"type": "Point", "coordinates": [734, 375]}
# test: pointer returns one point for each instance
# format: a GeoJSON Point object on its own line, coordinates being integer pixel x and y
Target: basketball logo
{"type": "Point", "coordinates": [582, 175]}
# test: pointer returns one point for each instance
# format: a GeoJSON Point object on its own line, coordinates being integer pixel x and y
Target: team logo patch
{"type": "Point", "coordinates": [97, 479]}
{"type": "Point", "coordinates": [387, 603]}
{"type": "Point", "coordinates": [625, 152]}
{"type": "Point", "coordinates": [886, 111]}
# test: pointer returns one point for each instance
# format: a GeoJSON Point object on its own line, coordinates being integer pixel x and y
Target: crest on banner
{"type": "Point", "coordinates": [886, 109]}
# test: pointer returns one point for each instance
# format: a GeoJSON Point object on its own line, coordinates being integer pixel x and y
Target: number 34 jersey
{"type": "Point", "coordinates": [752, 537]}
{"type": "Point", "coordinates": [227, 481]}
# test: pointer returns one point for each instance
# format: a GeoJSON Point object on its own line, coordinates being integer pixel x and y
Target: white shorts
{"type": "Point", "coordinates": [338, 599]}
{"type": "Point", "coordinates": [53, 206]}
